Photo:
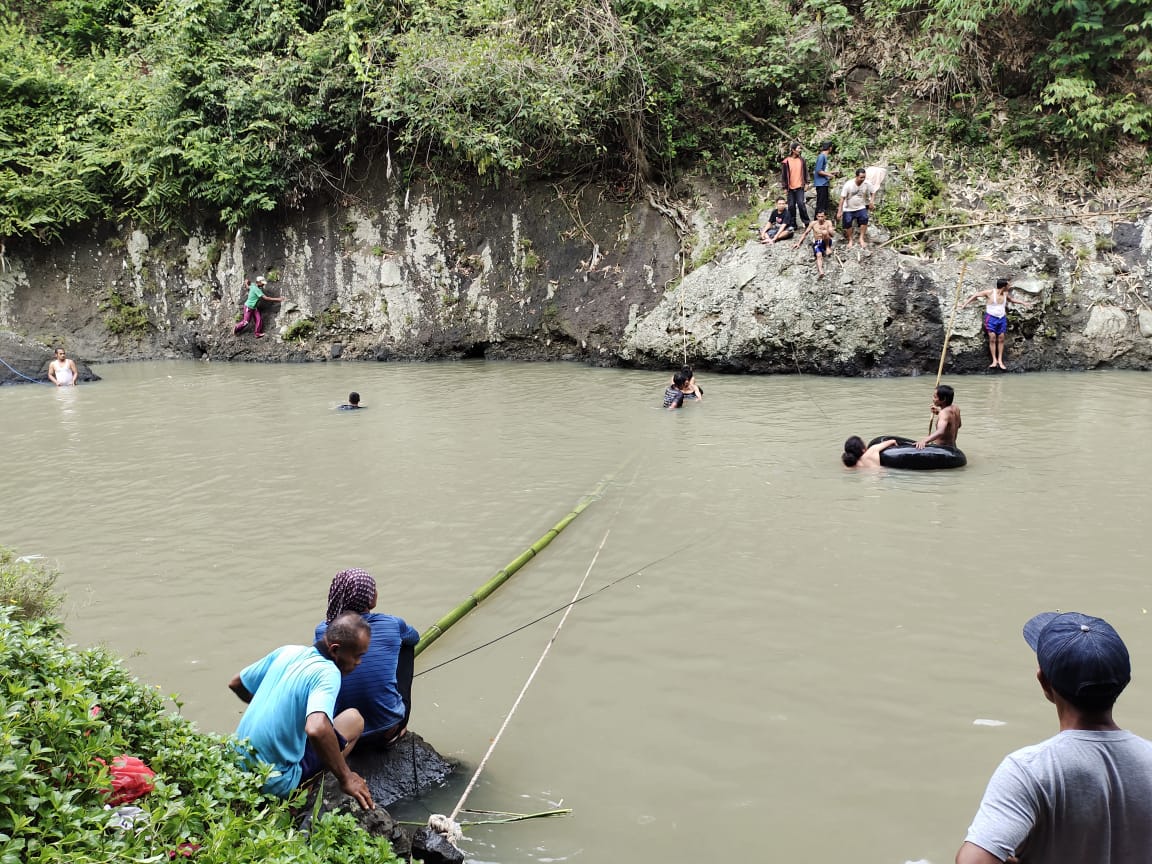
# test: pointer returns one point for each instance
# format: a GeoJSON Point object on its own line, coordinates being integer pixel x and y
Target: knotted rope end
{"type": "Point", "coordinates": [446, 827]}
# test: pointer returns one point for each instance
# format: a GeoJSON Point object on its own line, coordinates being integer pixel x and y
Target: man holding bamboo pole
{"type": "Point", "coordinates": [947, 419]}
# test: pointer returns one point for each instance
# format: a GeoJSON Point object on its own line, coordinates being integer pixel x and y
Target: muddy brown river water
{"type": "Point", "coordinates": [803, 665]}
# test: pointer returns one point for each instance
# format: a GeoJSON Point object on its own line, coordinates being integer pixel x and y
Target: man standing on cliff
{"type": "Point", "coordinates": [794, 179]}
{"type": "Point", "coordinates": [290, 721]}
{"type": "Point", "coordinates": [822, 178]}
{"type": "Point", "coordinates": [1086, 794]}
{"type": "Point", "coordinates": [857, 198]}
{"type": "Point", "coordinates": [996, 317]}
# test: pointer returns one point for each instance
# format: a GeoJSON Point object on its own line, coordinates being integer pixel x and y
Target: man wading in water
{"type": "Point", "coordinates": [62, 370]}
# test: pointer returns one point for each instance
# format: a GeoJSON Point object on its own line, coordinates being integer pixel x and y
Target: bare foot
{"type": "Point", "coordinates": [1002, 366]}
{"type": "Point", "coordinates": [993, 365]}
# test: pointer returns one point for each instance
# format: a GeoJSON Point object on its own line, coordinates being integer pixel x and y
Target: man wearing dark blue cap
{"type": "Point", "coordinates": [1085, 796]}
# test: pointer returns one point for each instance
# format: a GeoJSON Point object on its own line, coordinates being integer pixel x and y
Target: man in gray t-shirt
{"type": "Point", "coordinates": [1084, 796]}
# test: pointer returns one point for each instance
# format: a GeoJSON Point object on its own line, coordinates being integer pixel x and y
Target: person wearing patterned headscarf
{"type": "Point", "coordinates": [351, 591]}
{"type": "Point", "coordinates": [380, 688]}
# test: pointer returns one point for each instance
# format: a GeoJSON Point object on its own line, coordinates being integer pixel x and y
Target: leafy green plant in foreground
{"type": "Point", "coordinates": [61, 710]}
{"type": "Point", "coordinates": [27, 586]}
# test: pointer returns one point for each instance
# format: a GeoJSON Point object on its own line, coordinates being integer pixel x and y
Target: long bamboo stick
{"type": "Point", "coordinates": [482, 593]}
{"type": "Point", "coordinates": [1016, 220]}
{"type": "Point", "coordinates": [948, 334]}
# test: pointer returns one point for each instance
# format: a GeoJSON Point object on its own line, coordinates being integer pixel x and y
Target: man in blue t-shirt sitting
{"type": "Point", "coordinates": [290, 721]}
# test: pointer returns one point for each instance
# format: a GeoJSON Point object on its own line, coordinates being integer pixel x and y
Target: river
{"type": "Point", "coordinates": [800, 666]}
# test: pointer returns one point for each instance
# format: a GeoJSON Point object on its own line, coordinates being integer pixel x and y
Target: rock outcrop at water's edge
{"type": "Point", "coordinates": [407, 770]}
{"type": "Point", "coordinates": [23, 361]}
{"type": "Point", "coordinates": [541, 274]}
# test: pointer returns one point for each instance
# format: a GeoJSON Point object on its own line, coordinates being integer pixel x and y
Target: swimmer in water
{"type": "Point", "coordinates": [676, 392]}
{"type": "Point", "coordinates": [692, 390]}
{"type": "Point", "coordinates": [353, 402]}
{"type": "Point", "coordinates": [62, 370]}
{"type": "Point", "coordinates": [858, 455]}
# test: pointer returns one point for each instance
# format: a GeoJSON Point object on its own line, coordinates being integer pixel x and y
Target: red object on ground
{"type": "Point", "coordinates": [184, 850]}
{"type": "Point", "coordinates": [131, 779]}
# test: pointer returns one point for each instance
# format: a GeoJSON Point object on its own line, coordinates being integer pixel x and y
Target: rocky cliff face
{"type": "Point", "coordinates": [544, 273]}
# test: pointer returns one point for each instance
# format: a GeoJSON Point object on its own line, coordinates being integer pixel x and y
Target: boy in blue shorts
{"type": "Point", "coordinates": [822, 232]}
{"type": "Point", "coordinates": [996, 317]}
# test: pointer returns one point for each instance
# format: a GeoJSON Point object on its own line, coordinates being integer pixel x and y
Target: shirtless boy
{"type": "Point", "coordinates": [947, 419]}
{"type": "Point", "coordinates": [822, 231]}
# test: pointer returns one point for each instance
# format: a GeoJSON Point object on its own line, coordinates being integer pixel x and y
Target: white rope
{"type": "Point", "coordinates": [680, 293]}
{"type": "Point", "coordinates": [447, 825]}
{"type": "Point", "coordinates": [451, 829]}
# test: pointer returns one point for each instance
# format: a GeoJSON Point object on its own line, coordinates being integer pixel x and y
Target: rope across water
{"type": "Point", "coordinates": [22, 375]}
{"type": "Point", "coordinates": [447, 825]}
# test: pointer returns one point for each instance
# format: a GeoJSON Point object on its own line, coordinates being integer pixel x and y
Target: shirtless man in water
{"type": "Point", "coordinates": [947, 419]}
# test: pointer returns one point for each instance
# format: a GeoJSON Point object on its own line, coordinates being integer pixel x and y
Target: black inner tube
{"type": "Point", "coordinates": [905, 455]}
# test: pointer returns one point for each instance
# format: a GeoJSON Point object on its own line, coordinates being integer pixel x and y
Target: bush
{"type": "Point", "coordinates": [124, 318]}
{"type": "Point", "coordinates": [27, 587]}
{"type": "Point", "coordinates": [300, 330]}
{"type": "Point", "coordinates": [61, 710]}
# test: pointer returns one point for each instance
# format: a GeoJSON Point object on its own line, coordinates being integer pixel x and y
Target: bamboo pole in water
{"type": "Point", "coordinates": [484, 591]}
{"type": "Point", "coordinates": [948, 335]}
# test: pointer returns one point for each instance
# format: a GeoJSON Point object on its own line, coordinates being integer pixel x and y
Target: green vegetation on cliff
{"type": "Point", "coordinates": [62, 710]}
{"type": "Point", "coordinates": [169, 111]}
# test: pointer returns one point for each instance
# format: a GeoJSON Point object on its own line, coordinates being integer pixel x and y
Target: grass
{"type": "Point", "coordinates": [300, 330]}
{"type": "Point", "coordinates": [27, 586]}
{"type": "Point", "coordinates": [125, 319]}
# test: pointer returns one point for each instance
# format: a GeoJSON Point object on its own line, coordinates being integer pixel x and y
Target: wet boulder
{"type": "Point", "coordinates": [407, 769]}
{"type": "Point", "coordinates": [431, 847]}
